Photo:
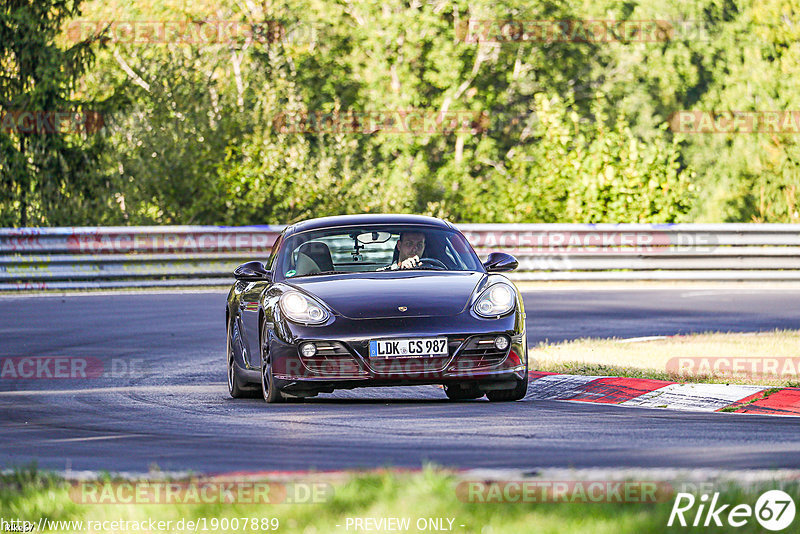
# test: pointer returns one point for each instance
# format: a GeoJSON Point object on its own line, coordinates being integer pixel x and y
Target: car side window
{"type": "Point", "coordinates": [274, 252]}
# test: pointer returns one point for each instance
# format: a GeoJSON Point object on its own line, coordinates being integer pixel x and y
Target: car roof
{"type": "Point", "coordinates": [366, 219]}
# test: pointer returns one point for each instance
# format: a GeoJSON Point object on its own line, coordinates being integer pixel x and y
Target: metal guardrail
{"type": "Point", "coordinates": [112, 257]}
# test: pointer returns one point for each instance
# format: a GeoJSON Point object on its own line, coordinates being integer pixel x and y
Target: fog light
{"type": "Point", "coordinates": [308, 350]}
{"type": "Point", "coordinates": [501, 342]}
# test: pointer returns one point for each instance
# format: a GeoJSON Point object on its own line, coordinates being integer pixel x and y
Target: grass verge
{"type": "Point", "coordinates": [429, 494]}
{"type": "Point", "coordinates": [766, 358]}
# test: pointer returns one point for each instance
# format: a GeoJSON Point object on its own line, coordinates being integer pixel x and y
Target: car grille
{"type": "Point", "coordinates": [479, 353]}
{"type": "Point", "coordinates": [409, 366]}
{"type": "Point", "coordinates": [332, 359]}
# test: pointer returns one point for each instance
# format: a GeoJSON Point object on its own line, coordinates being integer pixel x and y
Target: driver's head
{"type": "Point", "coordinates": [410, 244]}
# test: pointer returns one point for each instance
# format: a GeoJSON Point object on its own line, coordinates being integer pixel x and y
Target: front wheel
{"type": "Point", "coordinates": [269, 390]}
{"type": "Point", "coordinates": [516, 393]}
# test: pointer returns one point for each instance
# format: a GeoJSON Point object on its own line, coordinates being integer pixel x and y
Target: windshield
{"type": "Point", "coordinates": [374, 248]}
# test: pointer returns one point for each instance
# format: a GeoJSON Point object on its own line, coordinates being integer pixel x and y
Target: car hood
{"type": "Point", "coordinates": [382, 295]}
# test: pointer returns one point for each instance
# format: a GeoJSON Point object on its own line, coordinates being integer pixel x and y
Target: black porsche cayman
{"type": "Point", "coordinates": [340, 305]}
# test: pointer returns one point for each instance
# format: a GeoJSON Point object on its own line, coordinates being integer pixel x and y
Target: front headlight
{"type": "Point", "coordinates": [301, 308]}
{"type": "Point", "coordinates": [496, 300]}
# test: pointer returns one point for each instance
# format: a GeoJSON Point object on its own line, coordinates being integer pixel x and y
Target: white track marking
{"type": "Point", "coordinates": [556, 387]}
{"type": "Point", "coordinates": [694, 397]}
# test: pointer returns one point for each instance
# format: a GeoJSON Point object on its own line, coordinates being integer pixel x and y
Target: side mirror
{"type": "Point", "coordinates": [252, 271]}
{"type": "Point", "coordinates": [500, 262]}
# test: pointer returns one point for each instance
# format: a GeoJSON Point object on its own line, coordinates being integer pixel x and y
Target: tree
{"type": "Point", "coordinates": [48, 155]}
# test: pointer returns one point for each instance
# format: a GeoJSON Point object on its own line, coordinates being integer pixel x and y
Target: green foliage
{"type": "Point", "coordinates": [731, 56]}
{"type": "Point", "coordinates": [45, 176]}
{"type": "Point", "coordinates": [575, 170]}
{"type": "Point", "coordinates": [473, 505]}
{"type": "Point", "coordinates": [571, 131]}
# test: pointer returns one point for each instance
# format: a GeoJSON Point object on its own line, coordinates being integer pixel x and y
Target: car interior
{"type": "Point", "coordinates": [315, 256]}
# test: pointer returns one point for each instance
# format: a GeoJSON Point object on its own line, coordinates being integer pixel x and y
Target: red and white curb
{"type": "Point", "coordinates": [649, 393]}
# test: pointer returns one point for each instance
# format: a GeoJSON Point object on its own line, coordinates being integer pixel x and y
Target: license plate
{"type": "Point", "coordinates": [408, 348]}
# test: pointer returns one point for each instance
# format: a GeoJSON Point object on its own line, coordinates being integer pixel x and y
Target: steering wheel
{"type": "Point", "coordinates": [433, 262]}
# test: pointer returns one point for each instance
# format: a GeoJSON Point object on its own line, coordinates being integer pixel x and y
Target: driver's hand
{"type": "Point", "coordinates": [410, 263]}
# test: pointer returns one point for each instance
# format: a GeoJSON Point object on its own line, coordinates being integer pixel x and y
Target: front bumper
{"type": "Point", "coordinates": [342, 361]}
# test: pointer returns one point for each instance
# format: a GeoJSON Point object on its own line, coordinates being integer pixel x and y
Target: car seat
{"type": "Point", "coordinates": [313, 257]}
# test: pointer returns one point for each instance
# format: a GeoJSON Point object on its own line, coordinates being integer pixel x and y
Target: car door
{"type": "Point", "coordinates": [249, 305]}
{"type": "Point", "coordinates": [249, 308]}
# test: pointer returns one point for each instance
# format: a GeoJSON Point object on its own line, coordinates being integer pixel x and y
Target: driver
{"type": "Point", "coordinates": [410, 247]}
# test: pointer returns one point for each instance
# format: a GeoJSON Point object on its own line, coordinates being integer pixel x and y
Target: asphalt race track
{"type": "Point", "coordinates": [174, 412]}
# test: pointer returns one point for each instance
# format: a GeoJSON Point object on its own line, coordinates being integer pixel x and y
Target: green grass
{"type": "Point", "coordinates": [30, 494]}
{"type": "Point", "coordinates": [651, 359]}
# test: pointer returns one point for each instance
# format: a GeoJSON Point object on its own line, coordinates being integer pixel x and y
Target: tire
{"type": "Point", "coordinates": [271, 393]}
{"type": "Point", "coordinates": [505, 395]}
{"type": "Point", "coordinates": [234, 383]}
{"type": "Point", "coordinates": [457, 392]}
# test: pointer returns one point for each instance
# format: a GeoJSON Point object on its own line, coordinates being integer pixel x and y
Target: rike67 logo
{"type": "Point", "coordinates": [774, 510]}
